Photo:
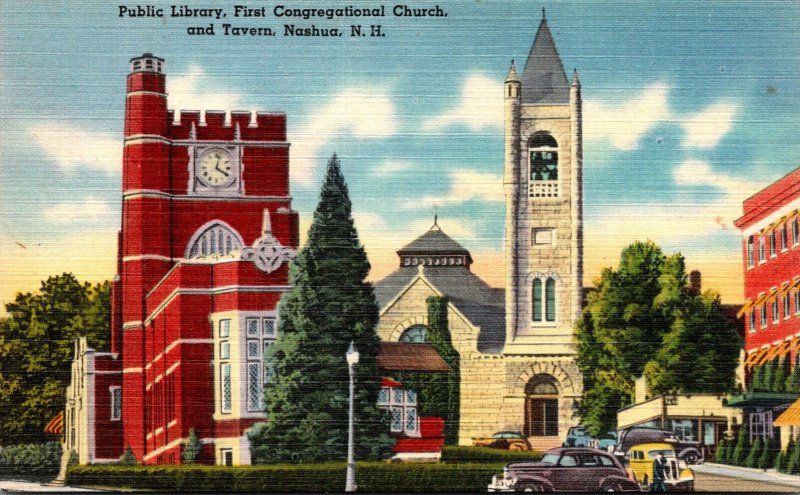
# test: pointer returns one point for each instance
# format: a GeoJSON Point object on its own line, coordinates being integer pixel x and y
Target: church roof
{"type": "Point", "coordinates": [407, 356]}
{"type": "Point", "coordinates": [544, 80]}
{"type": "Point", "coordinates": [434, 241]}
{"type": "Point", "coordinates": [481, 304]}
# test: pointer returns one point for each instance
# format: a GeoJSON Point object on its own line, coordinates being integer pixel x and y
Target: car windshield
{"type": "Point", "coordinates": [654, 453]}
{"type": "Point", "coordinates": [550, 459]}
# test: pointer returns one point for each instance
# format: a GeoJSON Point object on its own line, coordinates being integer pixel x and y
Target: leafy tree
{"type": "Point", "coordinates": [36, 351]}
{"type": "Point", "coordinates": [329, 306]}
{"type": "Point", "coordinates": [779, 377]}
{"type": "Point", "coordinates": [192, 449]}
{"type": "Point", "coordinates": [742, 448]}
{"type": "Point", "coordinates": [645, 318]}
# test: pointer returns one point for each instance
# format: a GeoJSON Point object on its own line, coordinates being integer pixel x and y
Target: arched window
{"type": "Point", "coordinates": [544, 299]}
{"type": "Point", "coordinates": [215, 237]}
{"type": "Point", "coordinates": [544, 157]}
{"type": "Point", "coordinates": [414, 334]}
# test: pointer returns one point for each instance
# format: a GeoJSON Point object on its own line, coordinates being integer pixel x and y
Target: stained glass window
{"type": "Point", "coordinates": [225, 373]}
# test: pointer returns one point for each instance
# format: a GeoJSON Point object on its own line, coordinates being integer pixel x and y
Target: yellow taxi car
{"type": "Point", "coordinates": [678, 477]}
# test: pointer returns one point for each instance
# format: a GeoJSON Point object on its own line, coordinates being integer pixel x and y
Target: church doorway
{"type": "Point", "coordinates": [541, 407]}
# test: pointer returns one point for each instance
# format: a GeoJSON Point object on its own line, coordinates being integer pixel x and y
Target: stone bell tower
{"type": "Point", "coordinates": [544, 203]}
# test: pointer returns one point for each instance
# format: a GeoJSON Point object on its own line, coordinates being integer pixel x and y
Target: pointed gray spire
{"type": "Point", "coordinates": [575, 80]}
{"type": "Point", "coordinates": [512, 73]}
{"type": "Point", "coordinates": [544, 80]}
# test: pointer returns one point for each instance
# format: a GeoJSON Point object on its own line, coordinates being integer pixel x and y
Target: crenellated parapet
{"type": "Point", "coordinates": [214, 125]}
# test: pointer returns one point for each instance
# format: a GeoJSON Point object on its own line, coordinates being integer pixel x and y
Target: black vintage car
{"type": "Point", "coordinates": [691, 452]}
{"type": "Point", "coordinates": [566, 470]}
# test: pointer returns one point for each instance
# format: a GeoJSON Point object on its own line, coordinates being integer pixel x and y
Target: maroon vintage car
{"type": "Point", "coordinates": [568, 470]}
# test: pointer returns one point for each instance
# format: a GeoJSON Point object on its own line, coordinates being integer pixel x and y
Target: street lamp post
{"type": "Point", "coordinates": [352, 361]}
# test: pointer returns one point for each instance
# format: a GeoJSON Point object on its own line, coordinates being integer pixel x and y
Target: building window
{"type": "Point", "coordinates": [260, 335]}
{"type": "Point", "coordinates": [116, 403]}
{"type": "Point", "coordinates": [402, 406]}
{"type": "Point", "coordinates": [544, 300]}
{"type": "Point", "coordinates": [797, 302]}
{"type": "Point", "coordinates": [751, 251]}
{"type": "Point", "coordinates": [775, 314]}
{"type": "Point", "coordinates": [764, 316]}
{"type": "Point", "coordinates": [544, 157]}
{"type": "Point", "coordinates": [752, 321]}
{"type": "Point", "coordinates": [762, 255]}
{"type": "Point", "coordinates": [787, 309]}
{"type": "Point", "coordinates": [760, 425]}
{"type": "Point", "coordinates": [224, 328]}
{"type": "Point", "coordinates": [784, 238]}
{"type": "Point", "coordinates": [795, 232]}
{"type": "Point", "coordinates": [226, 395]}
{"type": "Point", "coordinates": [543, 237]}
{"type": "Point", "coordinates": [214, 238]}
{"type": "Point", "coordinates": [224, 350]}
{"type": "Point", "coordinates": [773, 252]}
{"type": "Point", "coordinates": [414, 334]}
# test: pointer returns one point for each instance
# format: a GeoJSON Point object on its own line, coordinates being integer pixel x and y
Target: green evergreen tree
{"type": "Point", "coordinates": [192, 449]}
{"type": "Point", "coordinates": [719, 456]}
{"type": "Point", "coordinates": [127, 458]}
{"type": "Point", "coordinates": [793, 464]}
{"type": "Point", "coordinates": [757, 380]}
{"type": "Point", "coordinates": [438, 336]}
{"type": "Point", "coordinates": [781, 373]}
{"type": "Point", "coordinates": [729, 451]}
{"type": "Point", "coordinates": [329, 306]}
{"type": "Point", "coordinates": [768, 453]}
{"type": "Point", "coordinates": [769, 372]}
{"type": "Point", "coordinates": [754, 453]}
{"type": "Point", "coordinates": [793, 381]}
{"type": "Point", "coordinates": [783, 464]}
{"type": "Point", "coordinates": [742, 447]}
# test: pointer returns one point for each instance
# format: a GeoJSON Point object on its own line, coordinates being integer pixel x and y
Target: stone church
{"type": "Point", "coordinates": [517, 357]}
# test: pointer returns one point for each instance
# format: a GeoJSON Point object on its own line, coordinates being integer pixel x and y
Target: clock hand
{"type": "Point", "coordinates": [226, 174]}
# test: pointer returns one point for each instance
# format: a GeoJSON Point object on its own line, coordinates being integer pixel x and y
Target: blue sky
{"type": "Point", "coordinates": [690, 107]}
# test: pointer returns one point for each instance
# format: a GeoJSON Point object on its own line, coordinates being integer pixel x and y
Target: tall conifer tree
{"type": "Point", "coordinates": [329, 306]}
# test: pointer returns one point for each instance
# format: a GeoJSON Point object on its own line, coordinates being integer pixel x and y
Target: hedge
{"type": "Point", "coordinates": [486, 454]}
{"type": "Point", "coordinates": [30, 460]}
{"type": "Point", "coordinates": [323, 477]}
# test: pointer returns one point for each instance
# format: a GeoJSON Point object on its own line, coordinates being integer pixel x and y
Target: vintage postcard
{"type": "Point", "coordinates": [452, 245]}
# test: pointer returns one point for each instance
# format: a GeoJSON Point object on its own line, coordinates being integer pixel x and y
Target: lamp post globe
{"type": "Point", "coordinates": [352, 359]}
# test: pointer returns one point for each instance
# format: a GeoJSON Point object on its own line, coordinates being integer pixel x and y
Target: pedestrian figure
{"type": "Point", "coordinates": [658, 473]}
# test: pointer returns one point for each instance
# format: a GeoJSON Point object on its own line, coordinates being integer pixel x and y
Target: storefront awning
{"type": "Point", "coordinates": [773, 352]}
{"type": "Point", "coordinates": [790, 417]}
{"type": "Point", "coordinates": [56, 425]}
{"type": "Point", "coordinates": [747, 307]}
{"type": "Point", "coordinates": [760, 399]}
{"type": "Point", "coordinates": [755, 356]}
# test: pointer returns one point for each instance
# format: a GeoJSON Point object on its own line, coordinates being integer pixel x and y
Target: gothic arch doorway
{"type": "Point", "coordinates": [541, 406]}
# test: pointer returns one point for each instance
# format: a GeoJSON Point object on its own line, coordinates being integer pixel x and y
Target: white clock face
{"type": "Point", "coordinates": [216, 168]}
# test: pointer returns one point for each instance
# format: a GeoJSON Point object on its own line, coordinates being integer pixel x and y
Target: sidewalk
{"type": "Point", "coordinates": [750, 474]}
{"type": "Point", "coordinates": [30, 486]}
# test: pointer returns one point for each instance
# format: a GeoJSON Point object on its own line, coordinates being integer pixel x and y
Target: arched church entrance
{"type": "Point", "coordinates": [541, 406]}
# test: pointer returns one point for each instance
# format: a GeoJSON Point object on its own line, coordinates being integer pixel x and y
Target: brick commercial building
{"type": "Point", "coordinates": [770, 229]}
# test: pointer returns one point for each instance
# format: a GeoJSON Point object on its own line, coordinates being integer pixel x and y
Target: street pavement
{"type": "Point", "coordinates": [720, 478]}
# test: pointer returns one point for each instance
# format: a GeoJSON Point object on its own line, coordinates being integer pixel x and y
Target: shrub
{"type": "Point", "coordinates": [729, 451]}
{"type": "Point", "coordinates": [30, 459]}
{"type": "Point", "coordinates": [767, 455]}
{"type": "Point", "coordinates": [321, 477]}
{"type": "Point", "coordinates": [755, 452]}
{"type": "Point", "coordinates": [453, 453]}
{"type": "Point", "coordinates": [742, 447]}
{"type": "Point", "coordinates": [793, 465]}
{"type": "Point", "coordinates": [722, 449]}
{"type": "Point", "coordinates": [192, 448]}
{"type": "Point", "coordinates": [783, 463]}
{"type": "Point", "coordinates": [127, 458]}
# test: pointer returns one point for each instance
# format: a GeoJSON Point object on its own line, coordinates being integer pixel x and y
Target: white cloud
{"type": "Point", "coordinates": [465, 185]}
{"type": "Point", "coordinates": [699, 173]}
{"type": "Point", "coordinates": [707, 127]}
{"type": "Point", "coordinates": [360, 113]}
{"type": "Point", "coordinates": [391, 167]}
{"type": "Point", "coordinates": [72, 147]}
{"type": "Point", "coordinates": [195, 88]}
{"type": "Point", "coordinates": [480, 108]}
{"type": "Point", "coordinates": [624, 125]}
{"type": "Point", "coordinates": [86, 210]}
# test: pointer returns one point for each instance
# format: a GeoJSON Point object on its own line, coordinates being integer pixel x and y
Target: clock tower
{"type": "Point", "coordinates": [207, 233]}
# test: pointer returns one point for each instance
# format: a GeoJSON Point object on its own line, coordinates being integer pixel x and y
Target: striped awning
{"type": "Point", "coordinates": [747, 308]}
{"type": "Point", "coordinates": [56, 425]}
{"type": "Point", "coordinates": [790, 417]}
{"type": "Point", "coordinates": [784, 288]}
{"type": "Point", "coordinates": [755, 356]}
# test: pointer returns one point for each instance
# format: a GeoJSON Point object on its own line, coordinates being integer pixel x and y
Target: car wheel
{"type": "Point", "coordinates": [691, 458]}
{"type": "Point", "coordinates": [610, 488]}
{"type": "Point", "coordinates": [534, 487]}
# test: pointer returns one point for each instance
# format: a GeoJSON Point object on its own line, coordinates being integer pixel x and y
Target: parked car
{"type": "Point", "coordinates": [607, 441]}
{"type": "Point", "coordinates": [691, 452]}
{"type": "Point", "coordinates": [640, 464]}
{"type": "Point", "coordinates": [577, 436]}
{"type": "Point", "coordinates": [566, 470]}
{"type": "Point", "coordinates": [509, 440]}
